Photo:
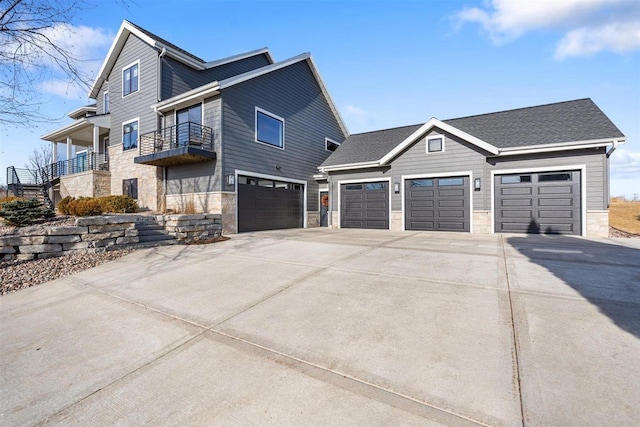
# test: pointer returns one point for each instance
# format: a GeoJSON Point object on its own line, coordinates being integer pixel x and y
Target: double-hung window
{"type": "Point", "coordinates": [106, 103]}
{"type": "Point", "coordinates": [269, 128]}
{"type": "Point", "coordinates": [130, 77]}
{"type": "Point", "coordinates": [130, 135]}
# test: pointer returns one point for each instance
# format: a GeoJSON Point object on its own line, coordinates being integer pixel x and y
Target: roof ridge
{"type": "Point", "coordinates": [519, 109]}
{"type": "Point", "coordinates": [165, 41]}
{"type": "Point", "coordinates": [386, 129]}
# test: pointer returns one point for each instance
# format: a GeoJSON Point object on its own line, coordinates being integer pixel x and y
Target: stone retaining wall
{"type": "Point", "coordinates": [102, 233]}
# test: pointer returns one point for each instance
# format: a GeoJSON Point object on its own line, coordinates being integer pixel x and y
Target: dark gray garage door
{"type": "Point", "coordinates": [265, 204]}
{"type": "Point", "coordinates": [365, 205]}
{"type": "Point", "coordinates": [439, 204]}
{"type": "Point", "coordinates": [538, 203]}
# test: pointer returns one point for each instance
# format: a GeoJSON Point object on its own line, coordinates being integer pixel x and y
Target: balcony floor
{"type": "Point", "coordinates": [176, 156]}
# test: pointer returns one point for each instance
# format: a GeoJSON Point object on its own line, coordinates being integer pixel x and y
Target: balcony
{"type": "Point", "coordinates": [176, 145]}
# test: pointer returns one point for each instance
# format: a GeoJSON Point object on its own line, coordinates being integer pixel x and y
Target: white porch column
{"type": "Point", "coordinates": [96, 139]}
{"type": "Point", "coordinates": [69, 144]}
{"type": "Point", "coordinates": [54, 152]}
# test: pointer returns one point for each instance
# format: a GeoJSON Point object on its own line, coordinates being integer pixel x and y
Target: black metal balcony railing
{"type": "Point", "coordinates": [80, 163]}
{"type": "Point", "coordinates": [188, 134]}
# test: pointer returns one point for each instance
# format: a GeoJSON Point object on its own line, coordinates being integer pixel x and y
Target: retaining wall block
{"type": "Point", "coordinates": [91, 220]}
{"type": "Point", "coordinates": [72, 238]}
{"type": "Point", "coordinates": [38, 249]}
{"type": "Point", "coordinates": [62, 231]}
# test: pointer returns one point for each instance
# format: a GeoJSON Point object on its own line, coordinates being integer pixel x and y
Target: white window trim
{"type": "Point", "coordinates": [137, 119]}
{"type": "Point", "coordinates": [139, 78]}
{"type": "Point", "coordinates": [175, 112]}
{"type": "Point", "coordinates": [305, 185]}
{"type": "Point", "coordinates": [274, 116]}
{"type": "Point", "coordinates": [362, 181]}
{"type": "Point", "coordinates": [434, 136]}
{"type": "Point", "coordinates": [404, 179]}
{"type": "Point", "coordinates": [105, 95]}
{"type": "Point", "coordinates": [327, 141]}
{"type": "Point", "coordinates": [583, 189]}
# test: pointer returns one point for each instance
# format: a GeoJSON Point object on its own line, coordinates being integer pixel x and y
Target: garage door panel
{"type": "Point", "coordinates": [364, 205]}
{"type": "Point", "coordinates": [447, 200]}
{"type": "Point", "coordinates": [516, 191]}
{"type": "Point", "coordinates": [269, 207]}
{"type": "Point", "coordinates": [560, 189]}
{"type": "Point", "coordinates": [552, 207]}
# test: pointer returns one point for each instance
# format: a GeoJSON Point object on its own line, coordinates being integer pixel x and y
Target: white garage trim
{"type": "Point", "coordinates": [404, 178]}
{"type": "Point", "coordinates": [275, 178]}
{"type": "Point", "coordinates": [583, 189]}
{"type": "Point", "coordinates": [361, 181]}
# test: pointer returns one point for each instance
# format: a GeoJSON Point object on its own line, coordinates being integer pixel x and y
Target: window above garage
{"type": "Point", "coordinates": [435, 144]}
{"type": "Point", "coordinates": [269, 128]}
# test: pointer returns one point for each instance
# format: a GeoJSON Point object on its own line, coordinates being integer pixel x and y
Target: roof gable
{"type": "Point", "coordinates": [545, 128]}
{"type": "Point", "coordinates": [161, 45]}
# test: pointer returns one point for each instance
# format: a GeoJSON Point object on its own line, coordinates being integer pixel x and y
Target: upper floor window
{"type": "Point", "coordinates": [130, 135]}
{"type": "Point", "coordinates": [269, 128]}
{"type": "Point", "coordinates": [106, 103]}
{"type": "Point", "coordinates": [130, 77]}
{"type": "Point", "coordinates": [435, 144]}
{"type": "Point", "coordinates": [331, 145]}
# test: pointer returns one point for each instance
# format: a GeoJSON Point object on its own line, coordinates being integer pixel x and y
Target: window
{"type": "Point", "coordinates": [515, 179]}
{"type": "Point", "coordinates": [130, 135]}
{"type": "Point", "coordinates": [435, 144]}
{"type": "Point", "coordinates": [448, 182]}
{"type": "Point", "coordinates": [130, 188]}
{"type": "Point", "coordinates": [353, 187]}
{"type": "Point", "coordinates": [269, 128]}
{"type": "Point", "coordinates": [330, 145]}
{"type": "Point", "coordinates": [130, 79]}
{"type": "Point", "coordinates": [376, 186]}
{"type": "Point", "coordinates": [554, 177]}
{"type": "Point", "coordinates": [106, 103]}
{"type": "Point", "coordinates": [422, 183]}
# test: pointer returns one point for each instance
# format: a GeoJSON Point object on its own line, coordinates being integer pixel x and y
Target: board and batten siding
{"type": "Point", "coordinates": [594, 159]}
{"type": "Point", "coordinates": [178, 78]}
{"type": "Point", "coordinates": [458, 156]}
{"type": "Point", "coordinates": [198, 177]}
{"type": "Point", "coordinates": [293, 94]}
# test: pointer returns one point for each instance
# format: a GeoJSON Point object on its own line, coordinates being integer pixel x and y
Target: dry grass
{"type": "Point", "coordinates": [625, 215]}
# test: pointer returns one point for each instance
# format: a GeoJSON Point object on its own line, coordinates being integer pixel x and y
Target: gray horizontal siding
{"type": "Point", "coordinates": [100, 98]}
{"type": "Point", "coordinates": [193, 178]}
{"type": "Point", "coordinates": [594, 160]}
{"type": "Point", "coordinates": [458, 156]}
{"type": "Point", "coordinates": [138, 103]}
{"type": "Point", "coordinates": [178, 78]}
{"type": "Point", "coordinates": [292, 93]}
{"type": "Point", "coordinates": [198, 177]}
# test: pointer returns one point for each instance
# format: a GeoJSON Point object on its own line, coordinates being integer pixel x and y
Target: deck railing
{"type": "Point", "coordinates": [188, 134]}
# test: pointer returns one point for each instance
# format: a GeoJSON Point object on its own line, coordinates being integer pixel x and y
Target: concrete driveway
{"type": "Point", "coordinates": [333, 327]}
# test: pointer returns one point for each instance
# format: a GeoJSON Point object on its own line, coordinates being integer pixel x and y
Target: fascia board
{"type": "Point", "coordinates": [53, 136]}
{"type": "Point", "coordinates": [349, 166]}
{"type": "Point", "coordinates": [201, 92]}
{"type": "Point", "coordinates": [241, 56]}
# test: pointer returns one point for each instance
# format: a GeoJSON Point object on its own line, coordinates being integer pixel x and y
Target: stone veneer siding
{"type": "Point", "coordinates": [598, 223]}
{"type": "Point", "coordinates": [102, 233]}
{"type": "Point", "coordinates": [86, 184]}
{"type": "Point", "coordinates": [122, 166]}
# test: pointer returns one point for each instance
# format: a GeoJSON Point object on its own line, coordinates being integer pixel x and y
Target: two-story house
{"type": "Point", "coordinates": [240, 136]}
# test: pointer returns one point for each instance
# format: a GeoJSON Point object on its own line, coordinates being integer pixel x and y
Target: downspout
{"type": "Point", "coordinates": [159, 98]}
{"type": "Point", "coordinates": [613, 148]}
{"type": "Point", "coordinates": [159, 73]}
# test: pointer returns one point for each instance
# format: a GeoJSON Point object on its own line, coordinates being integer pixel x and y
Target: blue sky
{"type": "Point", "coordinates": [393, 63]}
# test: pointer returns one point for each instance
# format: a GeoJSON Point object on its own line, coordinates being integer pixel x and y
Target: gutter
{"type": "Point", "coordinates": [613, 147]}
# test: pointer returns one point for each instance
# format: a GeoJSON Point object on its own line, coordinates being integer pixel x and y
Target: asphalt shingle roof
{"type": "Point", "coordinates": [570, 121]}
{"type": "Point", "coordinates": [165, 42]}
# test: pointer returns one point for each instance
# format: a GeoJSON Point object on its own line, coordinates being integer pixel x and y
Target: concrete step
{"type": "Point", "coordinates": [142, 245]}
{"type": "Point", "coordinates": [155, 238]}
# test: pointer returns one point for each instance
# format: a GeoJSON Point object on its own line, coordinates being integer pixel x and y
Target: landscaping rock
{"type": "Point", "coordinates": [65, 239]}
{"type": "Point", "coordinates": [38, 249]}
{"type": "Point", "coordinates": [60, 231]}
{"type": "Point", "coordinates": [91, 220]}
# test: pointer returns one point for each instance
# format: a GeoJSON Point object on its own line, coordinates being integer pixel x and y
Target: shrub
{"type": "Point", "coordinates": [85, 206]}
{"type": "Point", "coordinates": [118, 204]}
{"type": "Point", "coordinates": [23, 212]}
{"type": "Point", "coordinates": [63, 205]}
{"type": "Point", "coordinates": [8, 199]}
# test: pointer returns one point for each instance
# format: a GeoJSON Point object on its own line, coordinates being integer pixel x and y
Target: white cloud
{"type": "Point", "coordinates": [625, 163]}
{"type": "Point", "coordinates": [87, 45]}
{"type": "Point", "coordinates": [356, 117]}
{"type": "Point", "coordinates": [590, 26]}
{"type": "Point", "coordinates": [618, 38]}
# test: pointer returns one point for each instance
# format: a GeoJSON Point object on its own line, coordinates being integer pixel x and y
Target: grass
{"type": "Point", "coordinates": [625, 215]}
